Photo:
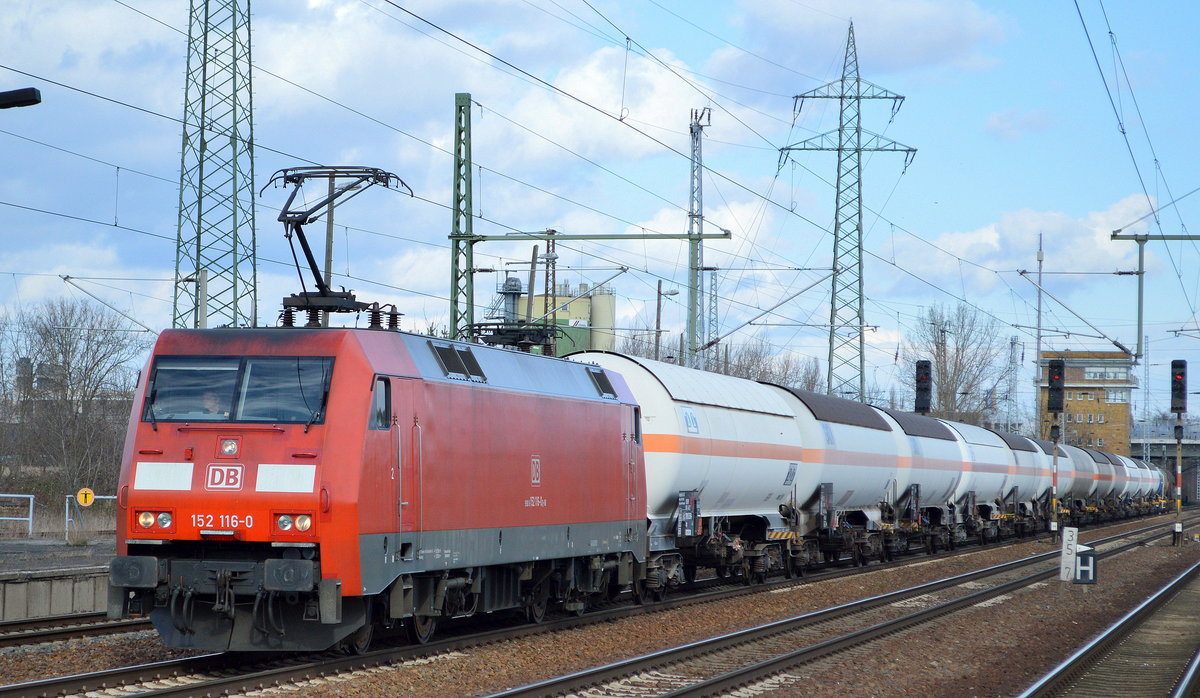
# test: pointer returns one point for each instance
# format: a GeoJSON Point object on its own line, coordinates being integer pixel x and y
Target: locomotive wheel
{"type": "Point", "coordinates": [536, 612]}
{"type": "Point", "coordinates": [421, 629]}
{"type": "Point", "coordinates": [360, 641]}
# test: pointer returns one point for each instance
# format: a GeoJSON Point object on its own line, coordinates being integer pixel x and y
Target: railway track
{"type": "Point", "coordinates": [214, 674]}
{"type": "Point", "coordinates": [1153, 649]}
{"type": "Point", "coordinates": [771, 653]}
{"type": "Point", "coordinates": [36, 630]}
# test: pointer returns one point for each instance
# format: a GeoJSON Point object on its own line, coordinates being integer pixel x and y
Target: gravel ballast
{"type": "Point", "coordinates": [992, 650]}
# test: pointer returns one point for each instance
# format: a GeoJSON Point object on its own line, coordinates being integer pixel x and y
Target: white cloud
{"type": "Point", "coordinates": [1011, 243]}
{"type": "Point", "coordinates": [1012, 124]}
{"type": "Point", "coordinates": [890, 36]}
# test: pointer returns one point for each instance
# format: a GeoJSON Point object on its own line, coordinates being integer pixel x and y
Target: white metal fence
{"type": "Point", "coordinates": [28, 518]}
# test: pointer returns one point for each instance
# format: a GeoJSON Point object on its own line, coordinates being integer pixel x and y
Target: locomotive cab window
{"type": "Point", "coordinates": [381, 404]}
{"type": "Point", "coordinates": [274, 390]}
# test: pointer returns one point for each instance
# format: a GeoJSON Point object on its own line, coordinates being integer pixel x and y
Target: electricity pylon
{"type": "Point", "coordinates": [847, 324]}
{"type": "Point", "coordinates": [215, 239]}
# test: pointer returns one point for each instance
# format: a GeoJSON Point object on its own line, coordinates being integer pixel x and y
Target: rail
{"type": "Point", "coordinates": [28, 518]}
{"type": "Point", "coordinates": [1059, 679]}
{"type": "Point", "coordinates": [670, 662]}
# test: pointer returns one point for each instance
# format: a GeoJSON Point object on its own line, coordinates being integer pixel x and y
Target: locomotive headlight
{"type": "Point", "coordinates": [303, 522]}
{"type": "Point", "coordinates": [284, 522]}
{"type": "Point", "coordinates": [164, 519]}
{"type": "Point", "coordinates": [229, 447]}
{"type": "Point", "coordinates": [146, 519]}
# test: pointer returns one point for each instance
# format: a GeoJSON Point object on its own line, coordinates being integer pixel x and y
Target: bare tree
{"type": "Point", "coordinates": [71, 367]}
{"type": "Point", "coordinates": [966, 349]}
{"type": "Point", "coordinates": [756, 360]}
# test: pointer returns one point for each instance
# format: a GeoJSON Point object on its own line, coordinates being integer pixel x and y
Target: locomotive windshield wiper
{"type": "Point", "coordinates": [317, 412]}
{"type": "Point", "coordinates": [150, 411]}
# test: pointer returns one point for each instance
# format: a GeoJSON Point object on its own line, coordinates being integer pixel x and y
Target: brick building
{"type": "Point", "coordinates": [1097, 393]}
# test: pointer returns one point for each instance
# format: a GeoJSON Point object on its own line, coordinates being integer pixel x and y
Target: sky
{"type": "Point", "coordinates": [1059, 122]}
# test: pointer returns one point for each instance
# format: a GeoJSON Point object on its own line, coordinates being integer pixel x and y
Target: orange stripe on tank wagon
{"type": "Point", "coordinates": [699, 446]}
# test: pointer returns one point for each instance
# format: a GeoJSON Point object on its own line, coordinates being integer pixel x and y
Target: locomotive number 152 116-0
{"type": "Point", "coordinates": [222, 521]}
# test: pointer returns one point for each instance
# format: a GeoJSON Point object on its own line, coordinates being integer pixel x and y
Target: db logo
{"type": "Point", "coordinates": [223, 477]}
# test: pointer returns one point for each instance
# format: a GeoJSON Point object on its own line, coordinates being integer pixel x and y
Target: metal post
{"type": "Point", "coordinates": [1141, 243]}
{"type": "Point", "coordinates": [202, 298]}
{"type": "Point", "coordinates": [1054, 488]}
{"type": "Point", "coordinates": [1038, 355]}
{"type": "Point", "coordinates": [462, 239]}
{"type": "Point", "coordinates": [532, 279]}
{"type": "Point", "coordinates": [328, 253]}
{"type": "Point", "coordinates": [658, 316]}
{"type": "Point", "coordinates": [657, 320]}
{"type": "Point", "coordinates": [1178, 463]}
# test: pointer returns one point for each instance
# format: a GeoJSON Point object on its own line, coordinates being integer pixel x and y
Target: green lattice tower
{"type": "Point", "coordinates": [847, 325]}
{"type": "Point", "coordinates": [216, 174]}
{"type": "Point", "coordinates": [462, 238]}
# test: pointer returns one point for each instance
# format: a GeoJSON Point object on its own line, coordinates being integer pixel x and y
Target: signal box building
{"type": "Point", "coordinates": [1097, 394]}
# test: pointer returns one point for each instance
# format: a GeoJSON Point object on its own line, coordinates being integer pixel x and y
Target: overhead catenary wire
{"type": "Point", "coordinates": [429, 202]}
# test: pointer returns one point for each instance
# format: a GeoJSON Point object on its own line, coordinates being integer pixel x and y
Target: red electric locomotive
{"type": "Point", "coordinates": [297, 488]}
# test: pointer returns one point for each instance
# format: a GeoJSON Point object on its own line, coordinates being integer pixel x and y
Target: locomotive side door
{"type": "Point", "coordinates": [633, 447]}
{"type": "Point", "coordinates": [407, 432]}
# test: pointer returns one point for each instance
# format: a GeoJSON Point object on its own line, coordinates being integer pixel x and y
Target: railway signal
{"type": "Point", "coordinates": [1054, 393]}
{"type": "Point", "coordinates": [1178, 386]}
{"type": "Point", "coordinates": [924, 387]}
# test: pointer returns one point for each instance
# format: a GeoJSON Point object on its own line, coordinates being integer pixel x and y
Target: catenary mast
{"type": "Point", "coordinates": [215, 262]}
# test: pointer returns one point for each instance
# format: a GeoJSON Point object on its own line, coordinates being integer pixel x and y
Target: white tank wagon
{"type": "Point", "coordinates": [935, 467]}
{"type": "Point", "coordinates": [1156, 477]}
{"type": "Point", "coordinates": [722, 456]}
{"type": "Point", "coordinates": [1076, 475]}
{"type": "Point", "coordinates": [759, 478]}
{"type": "Point", "coordinates": [1024, 496]}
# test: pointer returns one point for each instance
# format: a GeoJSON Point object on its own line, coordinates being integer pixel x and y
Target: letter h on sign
{"type": "Point", "coordinates": [1085, 566]}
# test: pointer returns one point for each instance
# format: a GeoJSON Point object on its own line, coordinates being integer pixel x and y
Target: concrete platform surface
{"type": "Point", "coordinates": [39, 554]}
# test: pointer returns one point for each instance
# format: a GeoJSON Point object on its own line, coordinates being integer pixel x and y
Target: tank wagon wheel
{"type": "Point", "coordinates": [744, 570]}
{"type": "Point", "coordinates": [421, 629]}
{"type": "Point", "coordinates": [638, 590]}
{"type": "Point", "coordinates": [583, 602]}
